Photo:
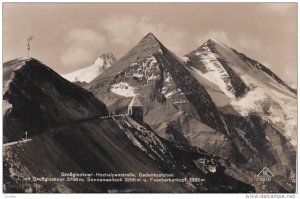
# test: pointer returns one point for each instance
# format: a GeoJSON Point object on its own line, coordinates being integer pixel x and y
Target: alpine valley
{"type": "Point", "coordinates": [214, 115]}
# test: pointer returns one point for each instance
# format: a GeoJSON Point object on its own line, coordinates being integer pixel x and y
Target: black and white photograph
{"type": "Point", "coordinates": [141, 97]}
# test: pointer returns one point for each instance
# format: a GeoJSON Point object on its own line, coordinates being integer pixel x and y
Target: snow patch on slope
{"type": "Point", "coordinates": [123, 89]}
{"type": "Point", "coordinates": [169, 89]}
{"type": "Point", "coordinates": [171, 93]}
{"type": "Point", "coordinates": [274, 107]}
{"type": "Point", "coordinates": [144, 70]}
{"type": "Point", "coordinates": [215, 71]}
{"type": "Point", "coordinates": [185, 59]}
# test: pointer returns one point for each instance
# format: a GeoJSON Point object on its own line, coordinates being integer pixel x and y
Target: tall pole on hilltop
{"type": "Point", "coordinates": [28, 49]}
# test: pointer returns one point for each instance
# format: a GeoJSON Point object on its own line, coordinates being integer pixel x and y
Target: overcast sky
{"type": "Point", "coordinates": [71, 36]}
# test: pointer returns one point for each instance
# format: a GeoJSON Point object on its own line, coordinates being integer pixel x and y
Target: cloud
{"type": "Point", "coordinates": [218, 35]}
{"type": "Point", "coordinates": [127, 30]}
{"type": "Point", "coordinates": [240, 41]}
{"type": "Point", "coordinates": [280, 8]}
{"type": "Point", "coordinates": [290, 77]}
{"type": "Point", "coordinates": [83, 45]}
{"type": "Point", "coordinates": [267, 64]}
{"type": "Point", "coordinates": [247, 42]}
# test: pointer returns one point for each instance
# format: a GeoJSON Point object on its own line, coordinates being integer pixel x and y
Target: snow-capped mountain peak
{"type": "Point", "coordinates": [107, 58]}
{"type": "Point", "coordinates": [154, 72]}
{"type": "Point", "coordinates": [207, 60]}
{"type": "Point", "coordinates": [145, 49]}
{"type": "Point", "coordinates": [151, 36]}
{"type": "Point", "coordinates": [98, 61]}
{"type": "Point", "coordinates": [87, 74]}
{"type": "Point", "coordinates": [251, 86]}
{"type": "Point", "coordinates": [212, 40]}
{"type": "Point", "coordinates": [214, 43]}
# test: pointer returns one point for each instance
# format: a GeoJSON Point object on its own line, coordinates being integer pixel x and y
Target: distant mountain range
{"type": "Point", "coordinates": [87, 74]}
{"type": "Point", "coordinates": [214, 113]}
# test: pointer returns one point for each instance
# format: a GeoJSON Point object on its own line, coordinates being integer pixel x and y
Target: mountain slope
{"type": "Point", "coordinates": [117, 146]}
{"type": "Point", "coordinates": [166, 88]}
{"type": "Point", "coordinates": [216, 69]}
{"type": "Point", "coordinates": [251, 86]}
{"type": "Point", "coordinates": [264, 113]}
{"type": "Point", "coordinates": [36, 97]}
{"type": "Point", "coordinates": [184, 104]}
{"type": "Point", "coordinates": [66, 135]}
{"type": "Point", "coordinates": [87, 74]}
{"type": "Point", "coordinates": [152, 65]}
{"type": "Point", "coordinates": [231, 68]}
